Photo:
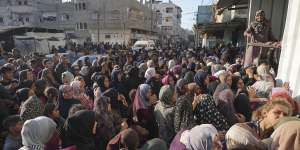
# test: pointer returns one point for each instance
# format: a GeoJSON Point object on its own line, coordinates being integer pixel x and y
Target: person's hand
{"type": "Point", "coordinates": [251, 91]}
{"type": "Point", "coordinates": [286, 85]}
{"type": "Point", "coordinates": [241, 118]}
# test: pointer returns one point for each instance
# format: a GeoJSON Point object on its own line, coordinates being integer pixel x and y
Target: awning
{"type": "Point", "coordinates": [217, 26]}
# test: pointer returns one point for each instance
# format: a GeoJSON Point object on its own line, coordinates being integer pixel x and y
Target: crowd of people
{"type": "Point", "coordinates": [154, 100]}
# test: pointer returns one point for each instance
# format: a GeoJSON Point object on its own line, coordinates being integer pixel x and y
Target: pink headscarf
{"type": "Point", "coordinates": [283, 93]}
{"type": "Point", "coordinates": [165, 80]}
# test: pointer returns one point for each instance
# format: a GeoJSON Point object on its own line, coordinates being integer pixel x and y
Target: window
{"type": "Point", "coordinates": [80, 26]}
{"type": "Point", "coordinates": [25, 3]}
{"type": "Point", "coordinates": [19, 2]}
{"type": "Point", "coordinates": [76, 7]}
{"type": "Point", "coordinates": [79, 6]}
{"type": "Point", "coordinates": [20, 19]}
{"type": "Point", "coordinates": [107, 36]}
{"type": "Point", "coordinates": [84, 25]}
{"type": "Point", "coordinates": [1, 20]}
{"type": "Point", "coordinates": [168, 19]}
{"type": "Point", "coordinates": [83, 6]}
{"type": "Point", "coordinates": [67, 17]}
{"type": "Point", "coordinates": [77, 26]}
{"type": "Point", "coordinates": [27, 19]}
{"type": "Point", "coordinates": [169, 10]}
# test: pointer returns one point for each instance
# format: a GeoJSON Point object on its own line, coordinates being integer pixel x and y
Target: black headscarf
{"type": "Point", "coordinates": [79, 129]}
{"type": "Point", "coordinates": [242, 106]}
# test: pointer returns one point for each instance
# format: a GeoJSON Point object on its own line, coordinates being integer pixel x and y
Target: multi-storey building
{"type": "Point", "coordinates": [169, 22]}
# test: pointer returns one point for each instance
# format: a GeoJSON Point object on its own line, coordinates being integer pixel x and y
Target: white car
{"type": "Point", "coordinates": [148, 45]}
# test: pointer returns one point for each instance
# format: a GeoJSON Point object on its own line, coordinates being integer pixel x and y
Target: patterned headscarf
{"type": "Point", "coordinates": [31, 108]}
{"type": "Point", "coordinates": [207, 112]}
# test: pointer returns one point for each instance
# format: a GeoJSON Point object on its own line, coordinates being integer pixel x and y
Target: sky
{"type": "Point", "coordinates": [189, 9]}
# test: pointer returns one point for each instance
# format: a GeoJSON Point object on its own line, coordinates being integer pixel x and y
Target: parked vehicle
{"type": "Point", "coordinates": [147, 45]}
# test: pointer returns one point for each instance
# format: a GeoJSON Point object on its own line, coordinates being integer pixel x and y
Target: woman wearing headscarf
{"type": "Point", "coordinates": [241, 136]}
{"type": "Point", "coordinates": [201, 137]}
{"type": "Point", "coordinates": [23, 94]}
{"type": "Point", "coordinates": [117, 81]}
{"type": "Point", "coordinates": [153, 80]}
{"type": "Point", "coordinates": [37, 132]}
{"type": "Point", "coordinates": [258, 31]}
{"type": "Point", "coordinates": [224, 98]}
{"type": "Point", "coordinates": [105, 127]}
{"type": "Point", "coordinates": [79, 94]}
{"type": "Point", "coordinates": [155, 144]}
{"type": "Point", "coordinates": [272, 112]}
{"type": "Point", "coordinates": [80, 129]}
{"type": "Point", "coordinates": [126, 139]}
{"type": "Point", "coordinates": [66, 100]}
{"type": "Point", "coordinates": [47, 75]}
{"type": "Point", "coordinates": [25, 77]}
{"type": "Point", "coordinates": [183, 115]}
{"type": "Point", "coordinates": [242, 101]}
{"type": "Point", "coordinates": [102, 81]}
{"type": "Point", "coordinates": [31, 108]}
{"type": "Point", "coordinates": [133, 80]}
{"type": "Point", "coordinates": [39, 88]}
{"type": "Point", "coordinates": [143, 110]}
{"type": "Point", "coordinates": [67, 77]}
{"type": "Point", "coordinates": [168, 80]}
{"type": "Point", "coordinates": [282, 93]}
{"type": "Point", "coordinates": [205, 109]}
{"type": "Point", "coordinates": [118, 103]}
{"type": "Point", "coordinates": [164, 113]}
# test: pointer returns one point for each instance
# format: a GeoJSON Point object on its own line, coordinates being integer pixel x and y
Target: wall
{"type": "Point", "coordinates": [275, 11]}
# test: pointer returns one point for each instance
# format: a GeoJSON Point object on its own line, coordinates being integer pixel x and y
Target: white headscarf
{"type": "Point", "coordinates": [150, 72]}
{"type": "Point", "coordinates": [199, 138]}
{"type": "Point", "coordinates": [171, 64]}
{"type": "Point", "coordinates": [37, 132]}
{"type": "Point", "coordinates": [68, 75]}
{"type": "Point", "coordinates": [238, 136]}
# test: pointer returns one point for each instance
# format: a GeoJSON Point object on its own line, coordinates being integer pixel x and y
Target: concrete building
{"type": "Point", "coordinates": [114, 21]}
{"type": "Point", "coordinates": [228, 22]}
{"type": "Point", "coordinates": [33, 13]}
{"type": "Point", "coordinates": [169, 22]}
